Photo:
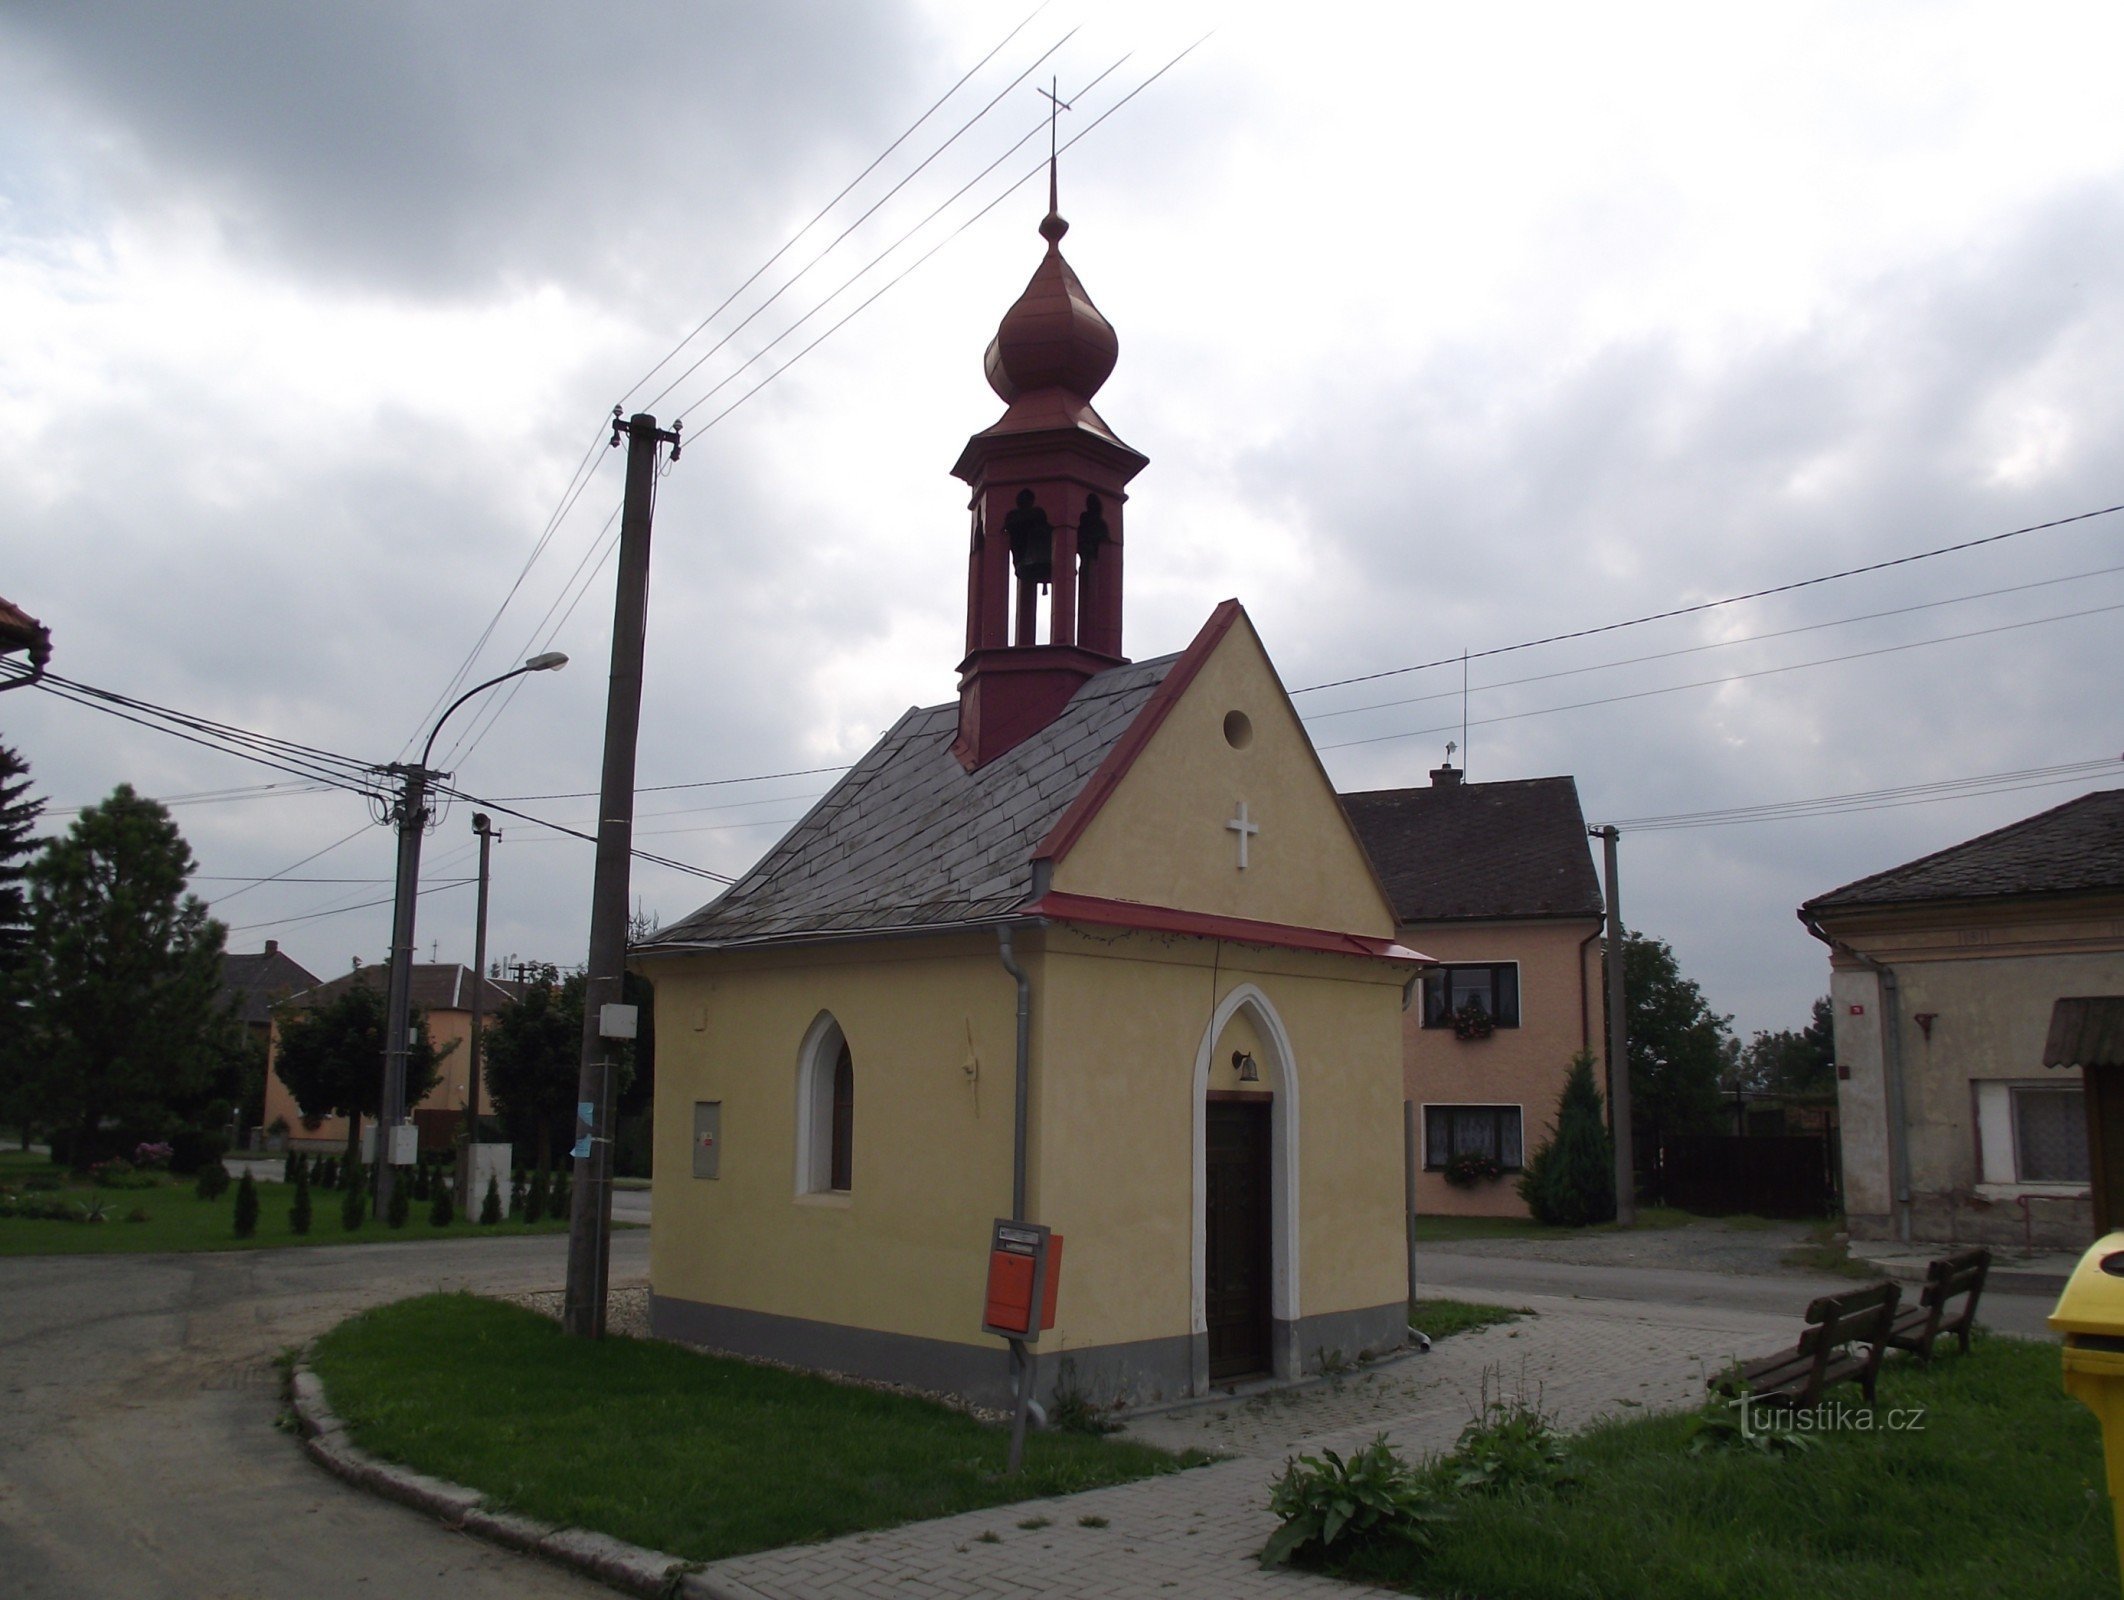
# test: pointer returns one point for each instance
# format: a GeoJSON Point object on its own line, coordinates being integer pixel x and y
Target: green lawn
{"type": "Point", "coordinates": [699, 1456]}
{"type": "Point", "coordinates": [177, 1219]}
{"type": "Point", "coordinates": [1998, 1490]}
{"type": "Point", "coordinates": [1441, 1319]}
{"type": "Point", "coordinates": [1447, 1230]}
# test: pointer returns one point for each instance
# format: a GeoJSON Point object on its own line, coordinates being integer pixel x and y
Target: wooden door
{"type": "Point", "coordinates": [1237, 1250]}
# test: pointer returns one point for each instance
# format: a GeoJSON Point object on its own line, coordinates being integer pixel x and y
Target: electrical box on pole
{"type": "Point", "coordinates": [590, 1220]}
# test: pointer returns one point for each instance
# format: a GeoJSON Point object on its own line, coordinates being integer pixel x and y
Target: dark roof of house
{"type": "Point", "coordinates": [909, 839]}
{"type": "Point", "coordinates": [2075, 848]}
{"type": "Point", "coordinates": [21, 631]}
{"type": "Point", "coordinates": [436, 986]}
{"type": "Point", "coordinates": [254, 981]}
{"type": "Point", "coordinates": [1468, 852]}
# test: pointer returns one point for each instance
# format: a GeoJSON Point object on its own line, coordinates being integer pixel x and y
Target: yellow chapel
{"type": "Point", "coordinates": [1093, 946]}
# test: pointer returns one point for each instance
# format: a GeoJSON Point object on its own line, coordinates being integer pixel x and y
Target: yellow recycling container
{"type": "Point", "coordinates": [2090, 1316]}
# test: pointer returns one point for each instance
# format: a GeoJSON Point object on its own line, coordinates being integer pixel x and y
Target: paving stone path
{"type": "Point", "coordinates": [1196, 1533]}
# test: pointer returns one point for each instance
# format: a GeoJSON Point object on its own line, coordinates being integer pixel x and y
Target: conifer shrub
{"type": "Point", "coordinates": [401, 1203]}
{"type": "Point", "coordinates": [212, 1182]}
{"type": "Point", "coordinates": [288, 1164]}
{"type": "Point", "coordinates": [490, 1211]}
{"type": "Point", "coordinates": [442, 1210]}
{"type": "Point", "coordinates": [537, 1197]}
{"type": "Point", "coordinates": [421, 1177]}
{"type": "Point", "coordinates": [246, 1207]}
{"type": "Point", "coordinates": [1570, 1182]}
{"type": "Point", "coordinates": [327, 1173]}
{"type": "Point", "coordinates": [354, 1204]}
{"type": "Point", "coordinates": [299, 1207]}
{"type": "Point", "coordinates": [558, 1204]}
{"type": "Point", "coordinates": [516, 1192]}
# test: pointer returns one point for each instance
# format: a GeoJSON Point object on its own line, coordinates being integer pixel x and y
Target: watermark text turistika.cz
{"type": "Point", "coordinates": [1831, 1416]}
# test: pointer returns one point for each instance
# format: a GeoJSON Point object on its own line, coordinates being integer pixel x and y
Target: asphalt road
{"type": "Point", "coordinates": [138, 1455]}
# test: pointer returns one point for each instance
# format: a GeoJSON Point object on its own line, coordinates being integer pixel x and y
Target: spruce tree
{"type": "Point", "coordinates": [1570, 1182]}
{"type": "Point", "coordinates": [420, 1180]}
{"type": "Point", "coordinates": [516, 1192]}
{"type": "Point", "coordinates": [288, 1164]}
{"type": "Point", "coordinates": [299, 1207]}
{"type": "Point", "coordinates": [490, 1211]}
{"type": "Point", "coordinates": [537, 1197]}
{"type": "Point", "coordinates": [327, 1173]}
{"type": "Point", "coordinates": [442, 1210]}
{"type": "Point", "coordinates": [401, 1203]}
{"type": "Point", "coordinates": [246, 1207]}
{"type": "Point", "coordinates": [354, 1204]}
{"type": "Point", "coordinates": [558, 1205]}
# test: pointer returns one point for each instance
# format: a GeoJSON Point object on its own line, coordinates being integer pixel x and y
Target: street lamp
{"type": "Point", "coordinates": [410, 813]}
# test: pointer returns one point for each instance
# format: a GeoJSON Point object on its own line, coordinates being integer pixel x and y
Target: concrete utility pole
{"type": "Point", "coordinates": [410, 813]}
{"type": "Point", "coordinates": [1618, 1043]}
{"type": "Point", "coordinates": [590, 1217]}
{"type": "Point", "coordinates": [483, 825]}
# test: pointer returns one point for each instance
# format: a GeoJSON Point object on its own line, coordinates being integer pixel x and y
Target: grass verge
{"type": "Point", "coordinates": [1825, 1251]}
{"type": "Point", "coordinates": [1445, 1230]}
{"type": "Point", "coordinates": [1441, 1319]}
{"type": "Point", "coordinates": [699, 1456]}
{"type": "Point", "coordinates": [1997, 1489]}
{"type": "Point", "coordinates": [178, 1220]}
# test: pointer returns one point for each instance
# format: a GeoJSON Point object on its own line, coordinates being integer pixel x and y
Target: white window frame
{"type": "Point", "coordinates": [816, 1060]}
{"type": "Point", "coordinates": [1998, 1136]}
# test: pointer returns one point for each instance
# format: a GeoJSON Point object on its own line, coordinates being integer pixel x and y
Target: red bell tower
{"type": "Point", "coordinates": [1049, 480]}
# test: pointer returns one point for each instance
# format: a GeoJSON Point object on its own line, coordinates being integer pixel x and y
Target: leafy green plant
{"type": "Point", "coordinates": [1508, 1445]}
{"type": "Point", "coordinates": [212, 1182]}
{"type": "Point", "coordinates": [1073, 1410]}
{"type": "Point", "coordinates": [1470, 1168]}
{"type": "Point", "coordinates": [138, 1214]}
{"type": "Point", "coordinates": [92, 1210]}
{"type": "Point", "coordinates": [1327, 1503]}
{"type": "Point", "coordinates": [246, 1207]}
{"type": "Point", "coordinates": [1721, 1424]}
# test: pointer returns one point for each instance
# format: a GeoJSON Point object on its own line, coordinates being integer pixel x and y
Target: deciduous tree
{"type": "Point", "coordinates": [534, 1050]}
{"type": "Point", "coordinates": [1679, 1046]}
{"type": "Point", "coordinates": [18, 846]}
{"type": "Point", "coordinates": [1792, 1063]}
{"type": "Point", "coordinates": [331, 1057]}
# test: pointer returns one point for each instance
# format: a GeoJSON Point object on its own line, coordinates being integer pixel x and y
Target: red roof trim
{"type": "Point", "coordinates": [1209, 925]}
{"type": "Point", "coordinates": [1070, 826]}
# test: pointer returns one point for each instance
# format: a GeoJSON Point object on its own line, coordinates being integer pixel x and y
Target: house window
{"type": "Point", "coordinates": [1492, 987]}
{"type": "Point", "coordinates": [2050, 1135]}
{"type": "Point", "coordinates": [1450, 1131]}
{"type": "Point", "coordinates": [826, 1112]}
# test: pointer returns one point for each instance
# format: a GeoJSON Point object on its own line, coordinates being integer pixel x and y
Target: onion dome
{"type": "Point", "coordinates": [1054, 337]}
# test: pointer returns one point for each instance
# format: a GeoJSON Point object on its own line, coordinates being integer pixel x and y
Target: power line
{"type": "Point", "coordinates": [340, 911]}
{"type": "Point", "coordinates": [870, 212]}
{"type": "Point", "coordinates": [1734, 677]}
{"type": "Point", "coordinates": [577, 833]}
{"type": "Point", "coordinates": [1715, 644]}
{"type": "Point", "coordinates": [878, 161]}
{"type": "Point", "coordinates": [254, 791]}
{"type": "Point", "coordinates": [1712, 605]}
{"type": "Point", "coordinates": [1879, 799]}
{"type": "Point", "coordinates": [305, 861]}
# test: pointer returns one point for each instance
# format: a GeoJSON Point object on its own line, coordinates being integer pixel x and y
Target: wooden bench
{"type": "Point", "coordinates": [1917, 1326]}
{"type": "Point", "coordinates": [1846, 1336]}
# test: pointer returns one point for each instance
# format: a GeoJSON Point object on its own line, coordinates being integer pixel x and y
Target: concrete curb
{"type": "Point", "coordinates": [649, 1573]}
{"type": "Point", "coordinates": [2002, 1280]}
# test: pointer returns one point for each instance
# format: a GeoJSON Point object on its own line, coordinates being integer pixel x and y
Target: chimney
{"type": "Point", "coordinates": [1445, 777]}
{"type": "Point", "coordinates": [272, 947]}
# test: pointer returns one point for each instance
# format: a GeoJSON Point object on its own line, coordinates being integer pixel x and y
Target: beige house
{"type": "Point", "coordinates": [1093, 946]}
{"type": "Point", "coordinates": [442, 991]}
{"type": "Point", "coordinates": [1944, 974]}
{"type": "Point", "coordinates": [1494, 881]}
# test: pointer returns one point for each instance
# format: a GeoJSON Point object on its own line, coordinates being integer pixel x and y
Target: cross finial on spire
{"type": "Point", "coordinates": [1450, 748]}
{"type": "Point", "coordinates": [1053, 227]}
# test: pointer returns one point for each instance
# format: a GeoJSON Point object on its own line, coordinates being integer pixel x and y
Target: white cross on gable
{"type": "Point", "coordinates": [1245, 829]}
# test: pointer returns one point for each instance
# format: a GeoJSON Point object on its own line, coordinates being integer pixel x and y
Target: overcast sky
{"type": "Point", "coordinates": [1445, 328]}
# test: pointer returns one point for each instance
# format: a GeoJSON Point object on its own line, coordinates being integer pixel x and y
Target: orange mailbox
{"type": "Point", "coordinates": [1024, 1265]}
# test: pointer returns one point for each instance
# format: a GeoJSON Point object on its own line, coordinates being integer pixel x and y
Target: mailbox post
{"type": "Point", "coordinates": [1024, 1267]}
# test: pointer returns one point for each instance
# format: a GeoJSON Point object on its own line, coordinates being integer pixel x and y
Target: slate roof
{"type": "Point", "coordinates": [436, 986]}
{"type": "Point", "coordinates": [909, 839]}
{"type": "Point", "coordinates": [2075, 848]}
{"type": "Point", "coordinates": [1479, 851]}
{"type": "Point", "coordinates": [255, 981]}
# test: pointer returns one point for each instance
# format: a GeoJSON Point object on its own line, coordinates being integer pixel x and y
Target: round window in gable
{"type": "Point", "coordinates": [1238, 731]}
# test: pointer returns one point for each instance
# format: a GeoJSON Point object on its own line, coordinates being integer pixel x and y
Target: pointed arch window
{"type": "Point", "coordinates": [825, 1111]}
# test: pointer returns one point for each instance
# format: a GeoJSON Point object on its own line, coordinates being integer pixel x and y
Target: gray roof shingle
{"type": "Point", "coordinates": [253, 981]}
{"type": "Point", "coordinates": [1479, 851]}
{"type": "Point", "coordinates": [2075, 848]}
{"type": "Point", "coordinates": [434, 986]}
{"type": "Point", "coordinates": [910, 839]}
